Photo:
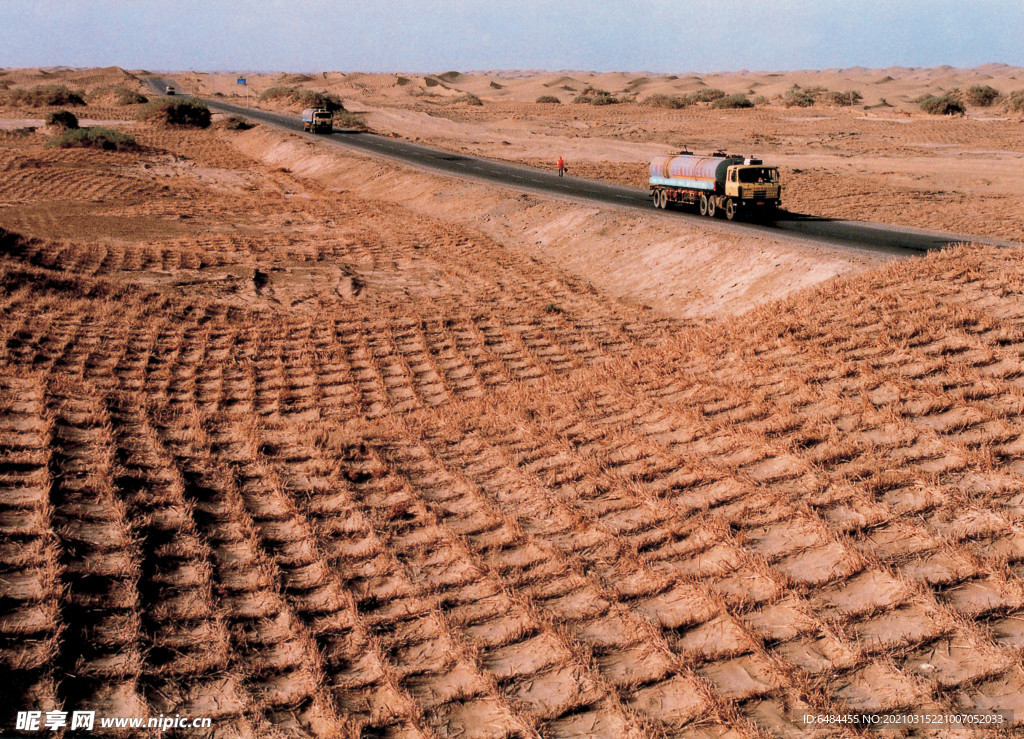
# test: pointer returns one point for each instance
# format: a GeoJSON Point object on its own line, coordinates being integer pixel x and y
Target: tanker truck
{"type": "Point", "coordinates": [317, 120]}
{"type": "Point", "coordinates": [719, 182]}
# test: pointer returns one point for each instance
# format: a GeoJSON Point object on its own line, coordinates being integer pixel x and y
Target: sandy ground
{"type": "Point", "coordinates": [290, 441]}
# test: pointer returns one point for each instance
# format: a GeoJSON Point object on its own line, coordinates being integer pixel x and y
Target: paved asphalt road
{"type": "Point", "coordinates": [856, 234]}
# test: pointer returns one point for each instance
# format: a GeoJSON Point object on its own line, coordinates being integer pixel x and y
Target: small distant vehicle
{"type": "Point", "coordinates": [317, 120]}
{"type": "Point", "coordinates": [170, 90]}
{"type": "Point", "coordinates": [719, 182]}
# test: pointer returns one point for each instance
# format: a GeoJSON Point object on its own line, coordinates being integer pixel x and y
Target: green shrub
{"type": "Point", "coordinates": [62, 119]}
{"type": "Point", "coordinates": [41, 95]}
{"type": "Point", "coordinates": [604, 99]}
{"type": "Point", "coordinates": [119, 95]}
{"type": "Point", "coordinates": [981, 96]}
{"type": "Point", "coordinates": [93, 137]}
{"type": "Point", "coordinates": [176, 112]}
{"type": "Point", "coordinates": [548, 99]}
{"type": "Point", "coordinates": [760, 100]}
{"type": "Point", "coordinates": [673, 102]}
{"type": "Point", "coordinates": [1015, 102]}
{"type": "Point", "coordinates": [739, 100]}
{"type": "Point", "coordinates": [943, 105]}
{"type": "Point", "coordinates": [847, 99]}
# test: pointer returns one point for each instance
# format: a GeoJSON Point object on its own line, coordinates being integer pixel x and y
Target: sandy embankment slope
{"type": "Point", "coordinates": [679, 269]}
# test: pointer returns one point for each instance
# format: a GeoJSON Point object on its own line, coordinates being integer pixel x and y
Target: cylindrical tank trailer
{"type": "Point", "coordinates": [731, 184]}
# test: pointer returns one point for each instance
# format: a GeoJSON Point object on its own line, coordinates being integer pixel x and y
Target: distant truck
{"type": "Point", "coordinates": [716, 183]}
{"type": "Point", "coordinates": [169, 89]}
{"type": "Point", "coordinates": [317, 120]}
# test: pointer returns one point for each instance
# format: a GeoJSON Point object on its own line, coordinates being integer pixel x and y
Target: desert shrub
{"type": "Point", "coordinates": [275, 93]}
{"type": "Point", "coordinates": [303, 98]}
{"type": "Point", "coordinates": [595, 96]}
{"type": "Point", "coordinates": [760, 100]}
{"type": "Point", "coordinates": [942, 105]}
{"type": "Point", "coordinates": [847, 99]}
{"type": "Point", "coordinates": [312, 99]}
{"type": "Point", "coordinates": [1015, 101]}
{"type": "Point", "coordinates": [707, 95]}
{"type": "Point", "coordinates": [62, 119]}
{"type": "Point", "coordinates": [797, 99]}
{"type": "Point", "coordinates": [94, 137]}
{"type": "Point", "coordinates": [344, 119]}
{"type": "Point", "coordinates": [44, 95]}
{"type": "Point", "coordinates": [673, 102]}
{"type": "Point", "coordinates": [469, 99]}
{"type": "Point", "coordinates": [981, 96]}
{"type": "Point", "coordinates": [739, 100]}
{"type": "Point", "coordinates": [237, 123]}
{"type": "Point", "coordinates": [120, 95]}
{"type": "Point", "coordinates": [548, 99]}
{"type": "Point", "coordinates": [176, 112]}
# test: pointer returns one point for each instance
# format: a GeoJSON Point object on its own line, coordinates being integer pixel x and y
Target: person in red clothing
{"type": "Point", "coordinates": [561, 165]}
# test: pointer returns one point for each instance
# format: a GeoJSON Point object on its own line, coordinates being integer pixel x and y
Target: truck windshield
{"type": "Point", "coordinates": [759, 174]}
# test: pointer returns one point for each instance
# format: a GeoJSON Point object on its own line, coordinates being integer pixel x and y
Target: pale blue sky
{"type": "Point", "coordinates": [401, 35]}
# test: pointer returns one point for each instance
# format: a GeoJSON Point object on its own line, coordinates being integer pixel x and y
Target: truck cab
{"type": "Point", "coordinates": [317, 120]}
{"type": "Point", "coordinates": [752, 183]}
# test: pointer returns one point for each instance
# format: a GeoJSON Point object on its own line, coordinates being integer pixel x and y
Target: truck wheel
{"type": "Point", "coordinates": [656, 198]}
{"type": "Point", "coordinates": [712, 207]}
{"type": "Point", "coordinates": [730, 209]}
{"type": "Point", "coordinates": [663, 202]}
{"type": "Point", "coordinates": [703, 204]}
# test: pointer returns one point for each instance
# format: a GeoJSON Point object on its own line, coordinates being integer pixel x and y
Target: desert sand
{"type": "Point", "coordinates": [318, 445]}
